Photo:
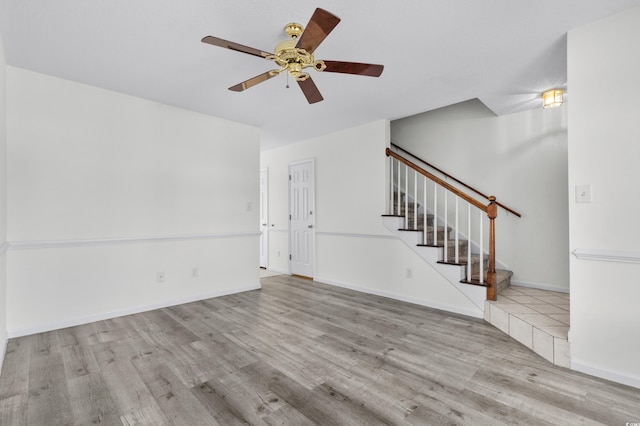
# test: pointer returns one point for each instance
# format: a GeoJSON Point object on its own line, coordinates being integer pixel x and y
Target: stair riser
{"type": "Point", "coordinates": [462, 251]}
{"type": "Point", "coordinates": [475, 275]}
{"type": "Point", "coordinates": [420, 222]}
{"type": "Point", "coordinates": [502, 283]}
{"type": "Point", "coordinates": [440, 235]}
{"type": "Point", "coordinates": [475, 267]}
{"type": "Point", "coordinates": [411, 214]}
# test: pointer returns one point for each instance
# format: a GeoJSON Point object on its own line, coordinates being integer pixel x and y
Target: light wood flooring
{"type": "Point", "coordinates": [294, 353]}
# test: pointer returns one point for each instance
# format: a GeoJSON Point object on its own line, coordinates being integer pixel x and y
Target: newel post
{"type": "Point", "coordinates": [492, 213]}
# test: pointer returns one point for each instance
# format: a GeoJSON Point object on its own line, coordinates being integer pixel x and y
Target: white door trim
{"type": "Point", "coordinates": [311, 272]}
{"type": "Point", "coordinates": [264, 218]}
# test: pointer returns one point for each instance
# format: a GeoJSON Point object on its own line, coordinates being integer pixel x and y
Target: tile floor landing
{"type": "Point", "coordinates": [539, 319]}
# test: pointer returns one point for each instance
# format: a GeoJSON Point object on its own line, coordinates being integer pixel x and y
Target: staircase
{"type": "Point", "coordinates": [536, 318]}
{"type": "Point", "coordinates": [408, 223]}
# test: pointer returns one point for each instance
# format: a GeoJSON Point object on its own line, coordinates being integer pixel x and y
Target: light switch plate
{"type": "Point", "coordinates": [583, 193]}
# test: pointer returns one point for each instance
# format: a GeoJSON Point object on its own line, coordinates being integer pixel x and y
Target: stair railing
{"type": "Point", "coordinates": [399, 168]}
{"type": "Point", "coordinates": [448, 176]}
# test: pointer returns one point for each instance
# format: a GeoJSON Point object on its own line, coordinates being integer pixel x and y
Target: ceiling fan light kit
{"type": "Point", "coordinates": [295, 54]}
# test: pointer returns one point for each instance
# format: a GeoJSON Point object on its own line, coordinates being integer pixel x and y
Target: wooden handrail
{"type": "Point", "coordinates": [490, 209]}
{"type": "Point", "coordinates": [437, 180]}
{"type": "Point", "coordinates": [510, 210]}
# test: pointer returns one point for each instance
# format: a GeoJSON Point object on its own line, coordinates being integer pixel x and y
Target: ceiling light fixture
{"type": "Point", "coordinates": [553, 98]}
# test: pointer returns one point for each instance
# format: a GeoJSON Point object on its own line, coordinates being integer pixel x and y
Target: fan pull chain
{"type": "Point", "coordinates": [287, 86]}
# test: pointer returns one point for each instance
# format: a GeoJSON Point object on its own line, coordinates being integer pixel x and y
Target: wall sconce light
{"type": "Point", "coordinates": [553, 98]}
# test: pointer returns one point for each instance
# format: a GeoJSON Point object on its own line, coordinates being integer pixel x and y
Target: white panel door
{"type": "Point", "coordinates": [264, 219]}
{"type": "Point", "coordinates": [301, 200]}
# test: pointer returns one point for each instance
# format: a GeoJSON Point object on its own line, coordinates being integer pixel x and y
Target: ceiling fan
{"type": "Point", "coordinates": [296, 54]}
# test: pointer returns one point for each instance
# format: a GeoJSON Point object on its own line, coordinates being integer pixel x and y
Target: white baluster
{"type": "Point", "coordinates": [415, 199]}
{"type": "Point", "coordinates": [481, 266]}
{"type": "Point", "coordinates": [435, 214]}
{"type": "Point", "coordinates": [457, 249]}
{"type": "Point", "coordinates": [391, 184]}
{"type": "Point", "coordinates": [406, 197]}
{"type": "Point", "coordinates": [425, 210]}
{"type": "Point", "coordinates": [398, 187]}
{"type": "Point", "coordinates": [446, 225]}
{"type": "Point", "coordinates": [469, 241]}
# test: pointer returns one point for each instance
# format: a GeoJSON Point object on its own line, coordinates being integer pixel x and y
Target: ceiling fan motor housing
{"type": "Point", "coordinates": [293, 59]}
{"type": "Point", "coordinates": [293, 29]}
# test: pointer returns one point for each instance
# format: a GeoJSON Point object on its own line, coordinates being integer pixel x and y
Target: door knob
{"type": "Point", "coordinates": [310, 226]}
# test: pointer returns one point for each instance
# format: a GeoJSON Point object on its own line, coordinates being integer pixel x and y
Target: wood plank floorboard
{"type": "Point", "coordinates": [296, 352]}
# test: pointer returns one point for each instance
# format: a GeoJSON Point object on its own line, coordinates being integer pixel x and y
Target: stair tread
{"type": "Point", "coordinates": [462, 260]}
{"type": "Point", "coordinates": [501, 275]}
{"type": "Point", "coordinates": [429, 227]}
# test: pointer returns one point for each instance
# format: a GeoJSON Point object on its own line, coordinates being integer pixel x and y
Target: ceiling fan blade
{"type": "Point", "coordinates": [234, 46]}
{"type": "Point", "coordinates": [310, 91]}
{"type": "Point", "coordinates": [253, 81]}
{"type": "Point", "coordinates": [318, 28]}
{"type": "Point", "coordinates": [371, 70]}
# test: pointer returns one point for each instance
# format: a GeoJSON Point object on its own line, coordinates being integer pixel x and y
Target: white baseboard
{"type": "Point", "coordinates": [128, 311]}
{"type": "Point", "coordinates": [402, 298]}
{"type": "Point", "coordinates": [278, 271]}
{"type": "Point", "coordinates": [549, 287]}
{"type": "Point", "coordinates": [603, 373]}
{"type": "Point", "coordinates": [3, 351]}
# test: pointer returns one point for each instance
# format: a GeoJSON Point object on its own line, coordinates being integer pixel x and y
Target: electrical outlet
{"type": "Point", "coordinates": [160, 277]}
{"type": "Point", "coordinates": [194, 272]}
{"type": "Point", "coordinates": [409, 273]}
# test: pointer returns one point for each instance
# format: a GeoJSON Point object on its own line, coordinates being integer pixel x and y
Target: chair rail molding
{"type": "Point", "coordinates": [34, 245]}
{"type": "Point", "coordinates": [357, 235]}
{"type": "Point", "coordinates": [607, 255]}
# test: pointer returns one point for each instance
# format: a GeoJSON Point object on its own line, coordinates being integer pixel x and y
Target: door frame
{"type": "Point", "coordinates": [313, 215]}
{"type": "Point", "coordinates": [264, 232]}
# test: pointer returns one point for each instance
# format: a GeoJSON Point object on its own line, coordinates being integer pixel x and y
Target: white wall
{"type": "Point", "coordinates": [604, 148]}
{"type": "Point", "coordinates": [353, 249]}
{"type": "Point", "coordinates": [3, 204]}
{"type": "Point", "coordinates": [521, 159]}
{"type": "Point", "coordinates": [105, 190]}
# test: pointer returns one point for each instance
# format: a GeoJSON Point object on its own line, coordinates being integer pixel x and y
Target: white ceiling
{"type": "Point", "coordinates": [435, 52]}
